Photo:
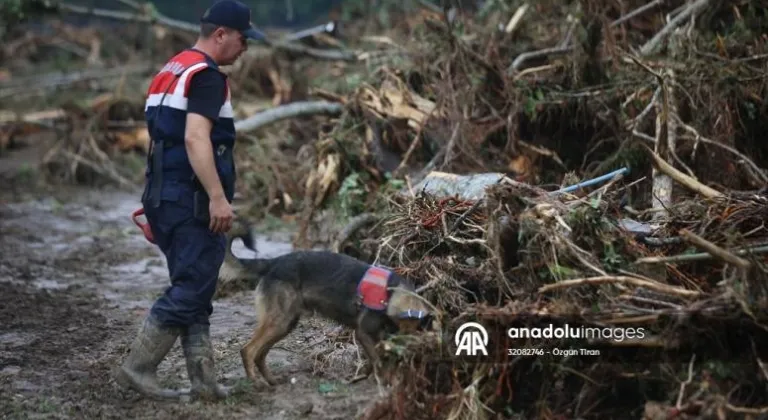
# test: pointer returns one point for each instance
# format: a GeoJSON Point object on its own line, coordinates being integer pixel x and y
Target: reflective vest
{"type": "Point", "coordinates": [165, 111]}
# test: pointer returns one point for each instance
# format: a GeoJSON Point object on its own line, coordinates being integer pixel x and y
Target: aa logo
{"type": "Point", "coordinates": [474, 339]}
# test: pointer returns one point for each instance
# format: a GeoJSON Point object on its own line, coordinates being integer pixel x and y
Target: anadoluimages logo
{"type": "Point", "coordinates": [471, 341]}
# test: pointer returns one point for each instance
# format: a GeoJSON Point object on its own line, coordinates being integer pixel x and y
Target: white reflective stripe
{"type": "Point", "coordinates": [226, 110]}
{"type": "Point", "coordinates": [174, 99]}
{"type": "Point", "coordinates": [183, 79]}
{"type": "Point", "coordinates": [171, 100]}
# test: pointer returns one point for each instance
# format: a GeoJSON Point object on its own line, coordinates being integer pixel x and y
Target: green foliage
{"type": "Point", "coordinates": [351, 195]}
{"type": "Point", "coordinates": [531, 103]}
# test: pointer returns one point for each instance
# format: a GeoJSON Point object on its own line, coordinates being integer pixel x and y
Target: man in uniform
{"type": "Point", "coordinates": [190, 185]}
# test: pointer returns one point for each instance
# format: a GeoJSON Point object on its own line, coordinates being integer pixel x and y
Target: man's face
{"type": "Point", "coordinates": [232, 44]}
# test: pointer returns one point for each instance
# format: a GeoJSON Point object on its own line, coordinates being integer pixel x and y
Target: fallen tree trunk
{"type": "Point", "coordinates": [150, 15]}
{"type": "Point", "coordinates": [29, 84]}
{"type": "Point", "coordinates": [295, 109]}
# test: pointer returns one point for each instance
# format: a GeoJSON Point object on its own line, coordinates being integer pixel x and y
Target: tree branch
{"type": "Point", "coordinates": [151, 15]}
{"type": "Point", "coordinates": [654, 42]}
{"type": "Point", "coordinates": [292, 110]}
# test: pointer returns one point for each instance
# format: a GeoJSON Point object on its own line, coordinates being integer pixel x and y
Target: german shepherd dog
{"type": "Point", "coordinates": [317, 282]}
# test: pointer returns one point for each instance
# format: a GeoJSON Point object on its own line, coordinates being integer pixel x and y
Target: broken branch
{"type": "Point", "coordinates": [292, 110]}
{"type": "Point", "coordinates": [659, 287]}
{"type": "Point", "coordinates": [516, 18]}
{"type": "Point", "coordinates": [153, 16]}
{"type": "Point", "coordinates": [713, 249]}
{"type": "Point", "coordinates": [640, 10]}
{"type": "Point", "coordinates": [696, 257]}
{"type": "Point", "coordinates": [522, 58]}
{"type": "Point", "coordinates": [682, 178]}
{"type": "Point", "coordinates": [650, 46]}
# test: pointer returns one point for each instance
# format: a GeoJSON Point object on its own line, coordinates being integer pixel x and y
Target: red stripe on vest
{"type": "Point", "coordinates": [160, 83]}
{"type": "Point", "coordinates": [180, 62]}
{"type": "Point", "coordinates": [372, 288]}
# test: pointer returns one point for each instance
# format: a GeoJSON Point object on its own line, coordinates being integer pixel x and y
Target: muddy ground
{"type": "Point", "coordinates": [77, 279]}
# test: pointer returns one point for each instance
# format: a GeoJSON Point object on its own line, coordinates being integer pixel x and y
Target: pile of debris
{"type": "Point", "coordinates": [693, 282]}
{"type": "Point", "coordinates": [462, 96]}
{"type": "Point", "coordinates": [486, 225]}
{"type": "Point", "coordinates": [597, 163]}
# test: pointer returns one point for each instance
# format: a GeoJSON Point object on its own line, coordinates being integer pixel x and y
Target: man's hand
{"type": "Point", "coordinates": [197, 139]}
{"type": "Point", "coordinates": [221, 215]}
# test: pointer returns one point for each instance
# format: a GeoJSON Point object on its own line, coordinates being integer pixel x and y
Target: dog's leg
{"type": "Point", "coordinates": [369, 348]}
{"type": "Point", "coordinates": [278, 314]}
{"type": "Point", "coordinates": [263, 321]}
{"type": "Point", "coordinates": [367, 333]}
{"type": "Point", "coordinates": [270, 337]}
{"type": "Point", "coordinates": [247, 352]}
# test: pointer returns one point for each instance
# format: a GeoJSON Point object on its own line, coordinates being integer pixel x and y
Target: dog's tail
{"type": "Point", "coordinates": [243, 231]}
{"type": "Point", "coordinates": [240, 273]}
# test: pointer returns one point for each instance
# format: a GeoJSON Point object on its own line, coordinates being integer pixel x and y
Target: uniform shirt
{"type": "Point", "coordinates": [207, 93]}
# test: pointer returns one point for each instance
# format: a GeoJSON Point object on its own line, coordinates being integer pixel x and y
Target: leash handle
{"type": "Point", "coordinates": [145, 228]}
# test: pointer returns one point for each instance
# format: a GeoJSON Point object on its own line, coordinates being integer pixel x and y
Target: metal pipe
{"type": "Point", "coordinates": [593, 181]}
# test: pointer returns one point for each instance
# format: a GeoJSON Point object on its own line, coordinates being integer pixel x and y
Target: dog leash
{"type": "Point", "coordinates": [145, 228]}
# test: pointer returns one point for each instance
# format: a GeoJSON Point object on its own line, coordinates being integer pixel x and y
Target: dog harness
{"type": "Point", "coordinates": [372, 289]}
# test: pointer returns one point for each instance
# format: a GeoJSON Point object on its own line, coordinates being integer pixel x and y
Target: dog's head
{"type": "Point", "coordinates": [409, 311]}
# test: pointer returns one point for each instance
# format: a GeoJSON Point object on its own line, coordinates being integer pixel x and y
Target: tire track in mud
{"type": "Point", "coordinates": [77, 279]}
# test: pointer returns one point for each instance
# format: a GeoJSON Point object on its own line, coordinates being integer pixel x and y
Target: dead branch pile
{"type": "Point", "coordinates": [552, 99]}
{"type": "Point", "coordinates": [553, 95]}
{"type": "Point", "coordinates": [695, 283]}
{"type": "Point", "coordinates": [677, 250]}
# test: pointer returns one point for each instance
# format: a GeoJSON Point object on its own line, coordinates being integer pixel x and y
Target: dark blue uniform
{"type": "Point", "coordinates": [189, 82]}
{"type": "Point", "coordinates": [192, 83]}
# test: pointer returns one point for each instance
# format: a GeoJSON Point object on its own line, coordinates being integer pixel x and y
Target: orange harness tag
{"type": "Point", "coordinates": [372, 289]}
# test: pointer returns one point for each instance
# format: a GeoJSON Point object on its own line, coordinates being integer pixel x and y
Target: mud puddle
{"type": "Point", "coordinates": [77, 279]}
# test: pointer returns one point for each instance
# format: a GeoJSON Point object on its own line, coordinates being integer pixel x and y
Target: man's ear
{"type": "Point", "coordinates": [219, 34]}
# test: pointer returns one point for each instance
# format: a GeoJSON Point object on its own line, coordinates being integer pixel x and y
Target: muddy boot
{"type": "Point", "coordinates": [199, 354]}
{"type": "Point", "coordinates": [139, 370]}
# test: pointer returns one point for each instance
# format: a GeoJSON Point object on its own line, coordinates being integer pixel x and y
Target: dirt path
{"type": "Point", "coordinates": [77, 279]}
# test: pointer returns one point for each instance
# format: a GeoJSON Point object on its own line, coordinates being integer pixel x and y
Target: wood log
{"type": "Point", "coordinates": [292, 110]}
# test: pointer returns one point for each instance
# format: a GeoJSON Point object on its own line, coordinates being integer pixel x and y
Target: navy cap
{"type": "Point", "coordinates": [234, 15]}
